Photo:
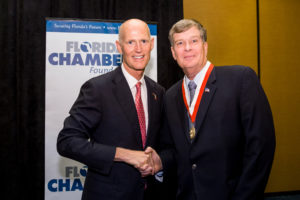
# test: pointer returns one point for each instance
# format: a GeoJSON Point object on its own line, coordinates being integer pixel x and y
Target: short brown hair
{"type": "Point", "coordinates": [185, 24]}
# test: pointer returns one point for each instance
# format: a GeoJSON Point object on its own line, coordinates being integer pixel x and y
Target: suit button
{"type": "Point", "coordinates": [194, 166]}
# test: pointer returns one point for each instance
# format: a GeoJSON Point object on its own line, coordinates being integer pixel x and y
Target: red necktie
{"type": "Point", "coordinates": [140, 112]}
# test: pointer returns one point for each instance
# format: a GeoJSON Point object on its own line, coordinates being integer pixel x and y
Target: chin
{"type": "Point", "coordinates": [139, 68]}
{"type": "Point", "coordinates": [188, 67]}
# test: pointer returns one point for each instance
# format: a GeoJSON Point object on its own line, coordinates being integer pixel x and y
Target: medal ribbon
{"type": "Point", "coordinates": [193, 117]}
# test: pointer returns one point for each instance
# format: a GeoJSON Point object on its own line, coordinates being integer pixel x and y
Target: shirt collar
{"type": "Point", "coordinates": [200, 74]}
{"type": "Point", "coordinates": [130, 79]}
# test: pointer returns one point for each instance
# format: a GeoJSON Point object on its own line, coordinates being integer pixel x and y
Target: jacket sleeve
{"type": "Point", "coordinates": [259, 136]}
{"type": "Point", "coordinates": [75, 140]}
{"type": "Point", "coordinates": [166, 144]}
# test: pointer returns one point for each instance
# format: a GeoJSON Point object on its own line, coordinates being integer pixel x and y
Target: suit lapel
{"type": "Point", "coordinates": [182, 112]}
{"type": "Point", "coordinates": [207, 97]}
{"type": "Point", "coordinates": [124, 97]}
{"type": "Point", "coordinates": [152, 103]}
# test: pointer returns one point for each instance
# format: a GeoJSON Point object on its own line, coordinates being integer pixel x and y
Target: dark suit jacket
{"type": "Point", "coordinates": [102, 118]}
{"type": "Point", "coordinates": [232, 153]}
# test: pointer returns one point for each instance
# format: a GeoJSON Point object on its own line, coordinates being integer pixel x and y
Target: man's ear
{"type": "Point", "coordinates": [118, 45]}
{"type": "Point", "coordinates": [152, 42]}
{"type": "Point", "coordinates": [173, 52]}
{"type": "Point", "coordinates": [205, 48]}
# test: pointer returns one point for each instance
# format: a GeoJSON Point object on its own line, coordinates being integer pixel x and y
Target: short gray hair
{"type": "Point", "coordinates": [185, 24]}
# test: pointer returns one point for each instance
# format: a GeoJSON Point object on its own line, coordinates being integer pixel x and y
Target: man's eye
{"type": "Point", "coordinates": [179, 43]}
{"type": "Point", "coordinates": [195, 40]}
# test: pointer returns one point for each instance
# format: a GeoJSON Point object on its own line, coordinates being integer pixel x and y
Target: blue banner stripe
{"type": "Point", "coordinates": [74, 26]}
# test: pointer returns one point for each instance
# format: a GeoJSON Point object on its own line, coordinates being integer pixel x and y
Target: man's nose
{"type": "Point", "coordinates": [187, 46]}
{"type": "Point", "coordinates": [138, 46]}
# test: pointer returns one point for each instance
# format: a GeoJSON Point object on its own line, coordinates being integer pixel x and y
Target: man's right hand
{"type": "Point", "coordinates": [157, 164]}
{"type": "Point", "coordinates": [139, 159]}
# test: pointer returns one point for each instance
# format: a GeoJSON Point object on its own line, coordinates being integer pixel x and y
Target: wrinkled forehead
{"type": "Point", "coordinates": [189, 33]}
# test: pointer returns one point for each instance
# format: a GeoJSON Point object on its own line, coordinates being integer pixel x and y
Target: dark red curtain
{"type": "Point", "coordinates": [22, 76]}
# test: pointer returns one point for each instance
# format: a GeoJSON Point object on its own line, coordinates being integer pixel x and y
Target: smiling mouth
{"type": "Point", "coordinates": [138, 57]}
{"type": "Point", "coordinates": [188, 57]}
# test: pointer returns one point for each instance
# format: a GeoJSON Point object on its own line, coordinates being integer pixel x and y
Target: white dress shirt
{"type": "Point", "coordinates": [198, 80]}
{"type": "Point", "coordinates": [132, 82]}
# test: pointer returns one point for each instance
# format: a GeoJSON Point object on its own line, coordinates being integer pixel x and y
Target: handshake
{"type": "Point", "coordinates": [147, 162]}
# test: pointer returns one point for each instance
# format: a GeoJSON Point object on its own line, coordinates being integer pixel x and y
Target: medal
{"type": "Point", "coordinates": [192, 132]}
{"type": "Point", "coordinates": [201, 91]}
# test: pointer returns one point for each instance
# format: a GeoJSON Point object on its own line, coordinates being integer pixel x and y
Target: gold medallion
{"type": "Point", "coordinates": [192, 132]}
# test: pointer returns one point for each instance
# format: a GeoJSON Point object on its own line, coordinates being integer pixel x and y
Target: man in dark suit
{"type": "Point", "coordinates": [115, 117]}
{"type": "Point", "coordinates": [219, 128]}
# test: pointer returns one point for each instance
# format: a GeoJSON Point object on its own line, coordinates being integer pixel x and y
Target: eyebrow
{"type": "Point", "coordinates": [194, 36]}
